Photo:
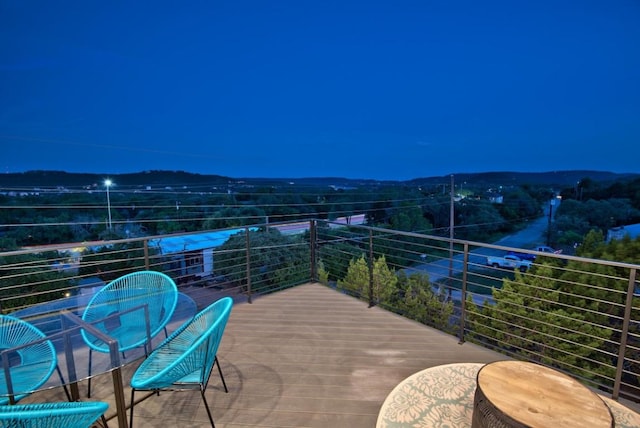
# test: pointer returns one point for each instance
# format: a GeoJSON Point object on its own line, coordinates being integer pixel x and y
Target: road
{"type": "Point", "coordinates": [530, 236]}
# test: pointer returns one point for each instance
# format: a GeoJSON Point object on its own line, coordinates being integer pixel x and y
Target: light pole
{"type": "Point", "coordinates": [552, 203]}
{"type": "Point", "coordinates": [452, 224]}
{"type": "Point", "coordinates": [108, 184]}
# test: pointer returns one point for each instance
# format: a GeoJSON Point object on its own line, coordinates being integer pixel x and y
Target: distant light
{"type": "Point", "coordinates": [108, 184]}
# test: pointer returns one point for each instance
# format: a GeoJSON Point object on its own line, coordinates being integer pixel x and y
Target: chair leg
{"type": "Point", "coordinates": [104, 421]}
{"type": "Point", "coordinates": [206, 406]}
{"type": "Point", "coordinates": [89, 380]}
{"type": "Point", "coordinates": [217, 363]}
{"type": "Point", "coordinates": [133, 391]}
{"type": "Point", "coordinates": [64, 384]}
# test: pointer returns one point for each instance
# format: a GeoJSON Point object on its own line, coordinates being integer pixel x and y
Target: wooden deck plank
{"type": "Point", "coordinates": [308, 356]}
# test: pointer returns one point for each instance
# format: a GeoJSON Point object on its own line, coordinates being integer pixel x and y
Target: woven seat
{"type": "Point", "coordinates": [32, 362]}
{"type": "Point", "coordinates": [186, 358]}
{"type": "Point", "coordinates": [118, 310]}
{"type": "Point", "coordinates": [54, 415]}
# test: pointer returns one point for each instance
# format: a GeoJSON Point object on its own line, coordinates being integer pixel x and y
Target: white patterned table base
{"type": "Point", "coordinates": [440, 396]}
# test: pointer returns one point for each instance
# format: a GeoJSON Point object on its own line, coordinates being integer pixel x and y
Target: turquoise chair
{"type": "Point", "coordinates": [29, 359]}
{"type": "Point", "coordinates": [185, 359]}
{"type": "Point", "coordinates": [52, 415]}
{"type": "Point", "coordinates": [117, 310]}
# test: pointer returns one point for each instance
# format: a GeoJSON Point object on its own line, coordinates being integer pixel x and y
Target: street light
{"type": "Point", "coordinates": [108, 184]}
{"type": "Point", "coordinates": [552, 203]}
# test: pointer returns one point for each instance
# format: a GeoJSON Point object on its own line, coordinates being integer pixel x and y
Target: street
{"type": "Point", "coordinates": [530, 236]}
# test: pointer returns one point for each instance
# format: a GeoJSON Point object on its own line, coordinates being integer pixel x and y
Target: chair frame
{"type": "Point", "coordinates": [28, 379]}
{"type": "Point", "coordinates": [121, 307]}
{"type": "Point", "coordinates": [185, 360]}
{"type": "Point", "coordinates": [60, 414]}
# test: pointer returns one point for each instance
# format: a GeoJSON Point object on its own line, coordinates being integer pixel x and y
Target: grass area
{"type": "Point", "coordinates": [480, 281]}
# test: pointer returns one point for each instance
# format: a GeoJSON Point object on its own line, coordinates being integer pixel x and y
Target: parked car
{"type": "Point", "coordinates": [545, 249]}
{"type": "Point", "coordinates": [510, 261]}
{"type": "Point", "coordinates": [523, 256]}
{"type": "Point", "coordinates": [532, 257]}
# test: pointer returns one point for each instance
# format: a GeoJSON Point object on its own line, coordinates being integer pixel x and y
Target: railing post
{"type": "Point", "coordinates": [463, 296]}
{"type": "Point", "coordinates": [312, 247]}
{"type": "Point", "coordinates": [371, 298]}
{"type": "Point", "coordinates": [147, 263]}
{"type": "Point", "coordinates": [71, 364]}
{"type": "Point", "coordinates": [248, 257]}
{"type": "Point", "coordinates": [624, 333]}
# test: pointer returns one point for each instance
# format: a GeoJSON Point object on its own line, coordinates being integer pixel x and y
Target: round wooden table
{"type": "Point", "coordinates": [522, 394]}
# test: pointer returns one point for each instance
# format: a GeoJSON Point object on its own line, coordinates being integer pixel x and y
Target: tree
{"type": "Point", "coordinates": [478, 220]}
{"type": "Point", "coordinates": [28, 279]}
{"type": "Point", "coordinates": [568, 229]}
{"type": "Point", "coordinates": [275, 261]}
{"type": "Point", "coordinates": [357, 281]}
{"type": "Point", "coordinates": [336, 257]}
{"type": "Point", "coordinates": [566, 316]}
{"type": "Point", "coordinates": [578, 217]}
{"type": "Point", "coordinates": [407, 219]}
{"type": "Point", "coordinates": [415, 299]}
{"type": "Point", "coordinates": [323, 275]}
{"type": "Point", "coordinates": [531, 319]}
{"type": "Point", "coordinates": [112, 261]}
{"type": "Point", "coordinates": [235, 217]}
{"type": "Point", "coordinates": [410, 219]}
{"type": "Point", "coordinates": [519, 204]}
{"type": "Point", "coordinates": [437, 210]}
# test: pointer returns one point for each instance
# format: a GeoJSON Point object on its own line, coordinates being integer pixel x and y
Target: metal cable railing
{"type": "Point", "coordinates": [578, 315]}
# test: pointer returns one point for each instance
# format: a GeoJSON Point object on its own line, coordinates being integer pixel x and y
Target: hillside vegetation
{"type": "Point", "coordinates": [48, 207]}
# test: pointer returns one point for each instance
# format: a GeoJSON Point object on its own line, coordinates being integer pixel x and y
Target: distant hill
{"type": "Point", "coordinates": [52, 179]}
{"type": "Point", "coordinates": [49, 179]}
{"type": "Point", "coordinates": [551, 178]}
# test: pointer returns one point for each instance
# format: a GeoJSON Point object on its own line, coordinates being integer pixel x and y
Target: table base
{"type": "Point", "coordinates": [486, 415]}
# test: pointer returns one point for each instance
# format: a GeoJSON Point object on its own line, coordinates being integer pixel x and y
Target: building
{"type": "Point", "coordinates": [190, 257]}
{"type": "Point", "coordinates": [632, 230]}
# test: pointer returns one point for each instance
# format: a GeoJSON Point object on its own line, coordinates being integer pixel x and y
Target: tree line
{"type": "Point", "coordinates": [53, 218]}
{"type": "Point", "coordinates": [77, 216]}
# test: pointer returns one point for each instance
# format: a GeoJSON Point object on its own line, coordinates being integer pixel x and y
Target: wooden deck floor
{"type": "Point", "coordinates": [304, 357]}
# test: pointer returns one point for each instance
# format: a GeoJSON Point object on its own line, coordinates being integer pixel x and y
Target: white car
{"type": "Point", "coordinates": [510, 261]}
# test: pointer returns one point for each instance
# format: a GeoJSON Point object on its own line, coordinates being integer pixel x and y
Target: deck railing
{"type": "Point", "coordinates": [575, 314]}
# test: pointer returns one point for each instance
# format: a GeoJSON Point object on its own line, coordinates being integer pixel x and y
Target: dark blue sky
{"type": "Point", "coordinates": [386, 90]}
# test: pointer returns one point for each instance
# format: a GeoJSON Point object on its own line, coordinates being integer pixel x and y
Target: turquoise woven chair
{"type": "Point", "coordinates": [52, 415]}
{"type": "Point", "coordinates": [29, 364]}
{"type": "Point", "coordinates": [186, 358]}
{"type": "Point", "coordinates": [117, 310]}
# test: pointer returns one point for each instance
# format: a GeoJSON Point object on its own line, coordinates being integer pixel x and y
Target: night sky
{"type": "Point", "coordinates": [384, 90]}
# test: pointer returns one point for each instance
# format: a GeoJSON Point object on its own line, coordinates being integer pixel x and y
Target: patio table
{"type": "Point", "coordinates": [456, 396]}
{"type": "Point", "coordinates": [61, 323]}
{"type": "Point", "coordinates": [437, 396]}
{"type": "Point", "coordinates": [521, 394]}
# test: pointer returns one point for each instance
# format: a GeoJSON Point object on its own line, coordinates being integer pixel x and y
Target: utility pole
{"type": "Point", "coordinates": [551, 202]}
{"type": "Point", "coordinates": [451, 234]}
{"type": "Point", "coordinates": [451, 212]}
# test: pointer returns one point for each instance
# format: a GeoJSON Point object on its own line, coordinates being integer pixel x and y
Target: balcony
{"type": "Point", "coordinates": [298, 352]}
